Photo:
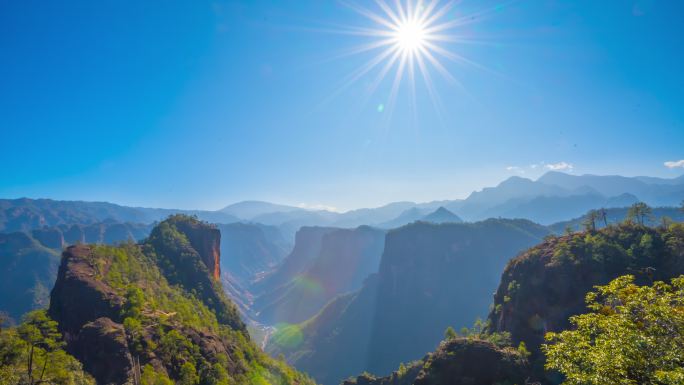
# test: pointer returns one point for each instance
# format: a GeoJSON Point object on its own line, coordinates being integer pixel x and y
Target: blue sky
{"type": "Point", "coordinates": [195, 104]}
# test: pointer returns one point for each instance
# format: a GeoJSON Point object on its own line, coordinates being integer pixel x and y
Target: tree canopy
{"type": "Point", "coordinates": [32, 354]}
{"type": "Point", "coordinates": [632, 335]}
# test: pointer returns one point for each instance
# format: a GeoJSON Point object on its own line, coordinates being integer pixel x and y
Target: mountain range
{"type": "Point", "coordinates": [341, 293]}
{"type": "Point", "coordinates": [553, 197]}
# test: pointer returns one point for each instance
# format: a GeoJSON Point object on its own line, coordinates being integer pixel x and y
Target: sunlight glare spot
{"type": "Point", "coordinates": [410, 36]}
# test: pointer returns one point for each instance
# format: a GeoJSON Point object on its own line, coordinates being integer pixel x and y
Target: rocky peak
{"type": "Point", "coordinates": [187, 251]}
{"type": "Point", "coordinates": [77, 278]}
{"type": "Point", "coordinates": [546, 285]}
{"type": "Point", "coordinates": [49, 237]}
{"type": "Point", "coordinates": [206, 240]}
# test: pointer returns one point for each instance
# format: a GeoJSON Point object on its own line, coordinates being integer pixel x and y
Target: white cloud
{"type": "Point", "coordinates": [317, 207]}
{"type": "Point", "coordinates": [516, 169]}
{"type": "Point", "coordinates": [560, 166]}
{"type": "Point", "coordinates": [675, 164]}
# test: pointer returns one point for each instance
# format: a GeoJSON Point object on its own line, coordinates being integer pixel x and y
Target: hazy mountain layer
{"type": "Point", "coordinates": [306, 248]}
{"type": "Point", "coordinates": [249, 249]}
{"type": "Point", "coordinates": [346, 257]}
{"type": "Point", "coordinates": [27, 273]}
{"type": "Point", "coordinates": [430, 277]}
{"type": "Point", "coordinates": [27, 214]}
{"type": "Point", "coordinates": [552, 198]}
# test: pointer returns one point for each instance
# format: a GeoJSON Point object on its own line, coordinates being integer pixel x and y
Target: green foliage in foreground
{"type": "Point", "coordinates": [632, 336]}
{"type": "Point", "coordinates": [32, 354]}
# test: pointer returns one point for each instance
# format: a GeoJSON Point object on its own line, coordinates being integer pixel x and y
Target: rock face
{"type": "Point", "coordinates": [158, 304]}
{"type": "Point", "coordinates": [78, 297]}
{"type": "Point", "coordinates": [430, 277]}
{"type": "Point", "coordinates": [435, 276]}
{"type": "Point", "coordinates": [306, 248]}
{"type": "Point", "coordinates": [543, 287]}
{"type": "Point", "coordinates": [88, 313]}
{"type": "Point", "coordinates": [207, 242]}
{"type": "Point", "coordinates": [459, 362]}
{"type": "Point", "coordinates": [50, 237]}
{"type": "Point", "coordinates": [102, 347]}
{"type": "Point", "coordinates": [193, 263]}
{"type": "Point", "coordinates": [345, 259]}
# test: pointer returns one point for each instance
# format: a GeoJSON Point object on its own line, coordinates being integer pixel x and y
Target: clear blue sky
{"type": "Point", "coordinates": [195, 104]}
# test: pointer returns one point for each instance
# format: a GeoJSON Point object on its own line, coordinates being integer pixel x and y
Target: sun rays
{"type": "Point", "coordinates": [408, 41]}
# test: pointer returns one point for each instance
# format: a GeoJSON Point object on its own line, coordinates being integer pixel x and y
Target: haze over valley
{"type": "Point", "coordinates": [345, 192]}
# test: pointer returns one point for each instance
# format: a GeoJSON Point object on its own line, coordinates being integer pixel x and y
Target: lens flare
{"type": "Point", "coordinates": [288, 336]}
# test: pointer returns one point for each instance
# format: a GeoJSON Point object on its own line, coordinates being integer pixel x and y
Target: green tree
{"type": "Point", "coordinates": [522, 349]}
{"type": "Point", "coordinates": [632, 335]}
{"type": "Point", "coordinates": [152, 377]}
{"type": "Point", "coordinates": [590, 219]}
{"type": "Point", "coordinates": [666, 222]}
{"type": "Point", "coordinates": [40, 332]}
{"type": "Point", "coordinates": [603, 216]}
{"type": "Point", "coordinates": [188, 375]}
{"type": "Point", "coordinates": [639, 212]}
{"type": "Point", "coordinates": [450, 333]}
{"type": "Point", "coordinates": [31, 354]}
{"type": "Point", "coordinates": [216, 375]}
{"type": "Point", "coordinates": [135, 300]}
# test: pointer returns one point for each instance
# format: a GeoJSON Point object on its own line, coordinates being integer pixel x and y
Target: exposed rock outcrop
{"type": "Point", "coordinates": [306, 248]}
{"type": "Point", "coordinates": [430, 277]}
{"type": "Point", "coordinates": [49, 237]}
{"type": "Point", "coordinates": [121, 313]}
{"type": "Point", "coordinates": [346, 257]}
{"type": "Point", "coordinates": [543, 287]}
{"type": "Point", "coordinates": [188, 254]}
{"type": "Point", "coordinates": [101, 346]}
{"type": "Point", "coordinates": [78, 296]}
{"type": "Point", "coordinates": [207, 242]}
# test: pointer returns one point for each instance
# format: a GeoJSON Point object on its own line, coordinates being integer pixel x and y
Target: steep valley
{"type": "Point", "coordinates": [430, 277]}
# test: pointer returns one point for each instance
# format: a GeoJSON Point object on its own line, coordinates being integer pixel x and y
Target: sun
{"type": "Point", "coordinates": [410, 40]}
{"type": "Point", "coordinates": [410, 36]}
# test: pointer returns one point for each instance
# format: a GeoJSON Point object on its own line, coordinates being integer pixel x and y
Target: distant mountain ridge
{"type": "Point", "coordinates": [568, 195]}
{"type": "Point", "coordinates": [442, 215]}
{"type": "Point", "coordinates": [27, 214]}
{"type": "Point", "coordinates": [553, 197]}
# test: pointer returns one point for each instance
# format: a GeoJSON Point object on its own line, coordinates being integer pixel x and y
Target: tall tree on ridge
{"type": "Point", "coordinates": [639, 212]}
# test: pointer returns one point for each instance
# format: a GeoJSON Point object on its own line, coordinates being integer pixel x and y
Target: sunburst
{"type": "Point", "coordinates": [409, 39]}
